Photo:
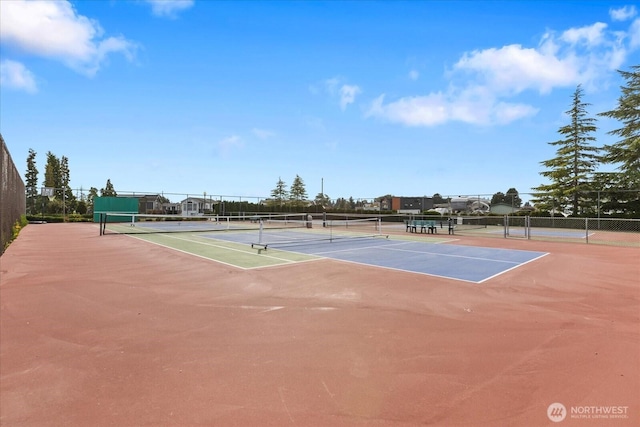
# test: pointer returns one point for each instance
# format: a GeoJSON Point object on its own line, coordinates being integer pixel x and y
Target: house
{"type": "Point", "coordinates": [503, 209]}
{"type": "Point", "coordinates": [147, 203]}
{"type": "Point", "coordinates": [171, 208]}
{"type": "Point", "coordinates": [411, 205]}
{"type": "Point", "coordinates": [150, 203]}
{"type": "Point", "coordinates": [197, 206]}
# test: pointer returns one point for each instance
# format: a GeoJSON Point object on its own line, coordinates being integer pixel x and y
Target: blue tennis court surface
{"type": "Point", "coordinates": [468, 263]}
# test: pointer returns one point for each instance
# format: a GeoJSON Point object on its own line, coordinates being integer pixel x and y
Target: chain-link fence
{"type": "Point", "coordinates": [12, 195]}
{"type": "Point", "coordinates": [609, 231]}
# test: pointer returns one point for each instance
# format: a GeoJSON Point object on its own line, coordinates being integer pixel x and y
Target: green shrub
{"type": "Point", "coordinates": [15, 229]}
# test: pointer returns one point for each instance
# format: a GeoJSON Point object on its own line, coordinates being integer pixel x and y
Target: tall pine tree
{"type": "Point", "coordinates": [298, 192]}
{"type": "Point", "coordinates": [625, 153]}
{"type": "Point", "coordinates": [571, 171]}
{"type": "Point", "coordinates": [280, 193]}
{"type": "Point", "coordinates": [108, 190]}
{"type": "Point", "coordinates": [31, 181]}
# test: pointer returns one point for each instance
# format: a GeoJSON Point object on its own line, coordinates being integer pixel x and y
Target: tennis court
{"type": "Point", "coordinates": [199, 328]}
{"type": "Point", "coordinates": [266, 241]}
{"type": "Point", "coordinates": [472, 264]}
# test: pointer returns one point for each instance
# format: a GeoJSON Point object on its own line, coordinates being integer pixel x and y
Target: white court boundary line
{"type": "Point", "coordinates": [387, 247]}
{"type": "Point", "coordinates": [283, 261]}
{"type": "Point", "coordinates": [516, 264]}
{"type": "Point", "coordinates": [321, 257]}
{"type": "Point", "coordinates": [514, 267]}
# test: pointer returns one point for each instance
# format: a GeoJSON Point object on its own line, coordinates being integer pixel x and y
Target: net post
{"type": "Point", "coordinates": [331, 231]}
{"type": "Point", "coordinates": [260, 232]}
{"type": "Point", "coordinates": [100, 223]}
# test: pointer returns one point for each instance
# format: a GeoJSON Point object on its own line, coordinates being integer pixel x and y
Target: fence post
{"type": "Point", "coordinates": [505, 225]}
{"type": "Point", "coordinates": [586, 227]}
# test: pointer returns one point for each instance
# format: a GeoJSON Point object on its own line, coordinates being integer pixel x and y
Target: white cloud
{"type": "Point", "coordinates": [514, 68]}
{"type": "Point", "coordinates": [227, 145]}
{"type": "Point", "coordinates": [482, 82]}
{"type": "Point", "coordinates": [53, 29]}
{"type": "Point", "coordinates": [505, 113]}
{"type": "Point", "coordinates": [623, 13]}
{"type": "Point", "coordinates": [634, 34]}
{"type": "Point", "coordinates": [16, 76]}
{"type": "Point", "coordinates": [414, 75]}
{"type": "Point", "coordinates": [263, 133]}
{"type": "Point", "coordinates": [438, 108]}
{"type": "Point", "coordinates": [426, 110]}
{"type": "Point", "coordinates": [592, 35]}
{"type": "Point", "coordinates": [348, 95]}
{"type": "Point", "coordinates": [169, 8]}
{"type": "Point", "coordinates": [331, 85]}
{"type": "Point", "coordinates": [336, 88]}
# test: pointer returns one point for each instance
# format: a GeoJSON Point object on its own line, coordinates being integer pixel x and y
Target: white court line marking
{"type": "Point", "coordinates": [514, 267]}
{"type": "Point", "coordinates": [280, 390]}
{"type": "Point", "coordinates": [187, 252]}
{"type": "Point", "coordinates": [360, 248]}
{"type": "Point", "coordinates": [286, 261]}
{"type": "Point", "coordinates": [456, 256]}
{"type": "Point", "coordinates": [282, 260]}
{"type": "Point", "coordinates": [387, 247]}
{"type": "Point", "coordinates": [517, 264]}
{"type": "Point", "coordinates": [402, 270]}
{"type": "Point", "coordinates": [267, 308]}
{"type": "Point", "coordinates": [251, 252]}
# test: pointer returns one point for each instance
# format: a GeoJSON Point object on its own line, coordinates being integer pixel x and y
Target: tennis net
{"type": "Point", "coordinates": [134, 223]}
{"type": "Point", "coordinates": [470, 223]}
{"type": "Point", "coordinates": [326, 231]}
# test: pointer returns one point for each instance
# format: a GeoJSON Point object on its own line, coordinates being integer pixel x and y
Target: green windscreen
{"type": "Point", "coordinates": [114, 204]}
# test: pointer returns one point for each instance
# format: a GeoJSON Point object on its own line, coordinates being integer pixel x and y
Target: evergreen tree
{"type": "Point", "coordinates": [513, 198]}
{"type": "Point", "coordinates": [322, 200]}
{"type": "Point", "coordinates": [352, 203]}
{"type": "Point", "coordinates": [437, 199]}
{"type": "Point", "coordinates": [52, 174]}
{"type": "Point", "coordinates": [572, 169]}
{"type": "Point", "coordinates": [280, 193]}
{"type": "Point", "coordinates": [69, 200]}
{"type": "Point", "coordinates": [341, 204]}
{"type": "Point", "coordinates": [56, 176]}
{"type": "Point", "coordinates": [298, 192]}
{"type": "Point", "coordinates": [52, 179]}
{"type": "Point", "coordinates": [108, 190]}
{"type": "Point", "coordinates": [626, 151]}
{"type": "Point", "coordinates": [93, 193]}
{"type": "Point", "coordinates": [31, 181]}
{"type": "Point", "coordinates": [498, 198]}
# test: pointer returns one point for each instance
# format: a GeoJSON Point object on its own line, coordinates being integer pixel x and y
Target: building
{"type": "Point", "coordinates": [197, 206]}
{"type": "Point", "coordinates": [411, 205]}
{"type": "Point", "coordinates": [147, 203]}
{"type": "Point", "coordinates": [171, 208]}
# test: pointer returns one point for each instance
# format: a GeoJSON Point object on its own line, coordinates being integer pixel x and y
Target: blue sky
{"type": "Point", "coordinates": [369, 98]}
